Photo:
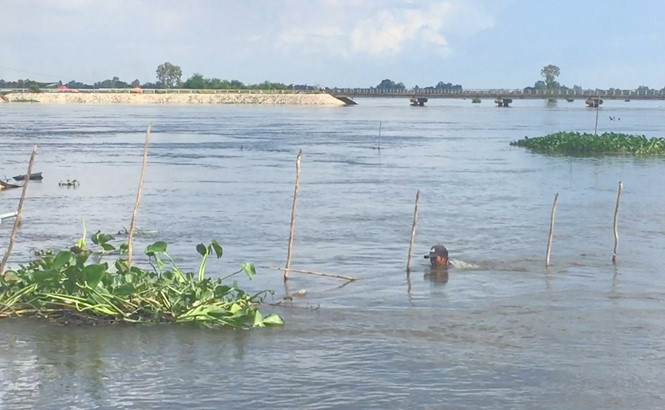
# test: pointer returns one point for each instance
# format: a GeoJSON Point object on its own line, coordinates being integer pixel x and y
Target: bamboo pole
{"type": "Point", "coordinates": [132, 226]}
{"type": "Point", "coordinates": [379, 135]}
{"type": "Point", "coordinates": [19, 211]}
{"type": "Point", "coordinates": [293, 217]}
{"type": "Point", "coordinates": [413, 232]}
{"type": "Point", "coordinates": [307, 272]}
{"type": "Point", "coordinates": [616, 219]}
{"type": "Point", "coordinates": [595, 127]}
{"type": "Point", "coordinates": [549, 239]}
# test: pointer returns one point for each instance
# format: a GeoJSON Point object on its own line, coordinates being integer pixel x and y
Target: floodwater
{"type": "Point", "coordinates": [508, 333]}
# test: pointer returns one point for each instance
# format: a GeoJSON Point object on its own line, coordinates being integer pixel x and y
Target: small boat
{"type": "Point", "coordinates": [5, 185]}
{"type": "Point", "coordinates": [418, 101]}
{"type": "Point", "coordinates": [35, 176]}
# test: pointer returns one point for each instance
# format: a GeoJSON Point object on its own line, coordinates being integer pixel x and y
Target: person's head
{"type": "Point", "coordinates": [438, 256]}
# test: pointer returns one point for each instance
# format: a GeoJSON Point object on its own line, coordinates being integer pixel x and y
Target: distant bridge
{"type": "Point", "coordinates": [501, 93]}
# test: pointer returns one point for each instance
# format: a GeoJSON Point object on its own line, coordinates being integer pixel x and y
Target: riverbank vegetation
{"type": "Point", "coordinates": [609, 143]}
{"type": "Point", "coordinates": [76, 286]}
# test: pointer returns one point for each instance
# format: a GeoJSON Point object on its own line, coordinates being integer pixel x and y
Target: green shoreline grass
{"type": "Point", "coordinates": [75, 286]}
{"type": "Point", "coordinates": [586, 144]}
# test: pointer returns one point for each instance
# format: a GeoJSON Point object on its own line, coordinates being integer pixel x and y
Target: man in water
{"type": "Point", "coordinates": [438, 256]}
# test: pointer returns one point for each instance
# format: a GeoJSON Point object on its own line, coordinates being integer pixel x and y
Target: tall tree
{"type": "Point", "coordinates": [389, 84]}
{"type": "Point", "coordinates": [196, 82]}
{"type": "Point", "coordinates": [550, 73]}
{"type": "Point", "coordinates": [169, 75]}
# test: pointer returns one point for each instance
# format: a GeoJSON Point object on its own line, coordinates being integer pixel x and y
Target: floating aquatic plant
{"type": "Point", "coordinates": [75, 286]}
{"type": "Point", "coordinates": [609, 143]}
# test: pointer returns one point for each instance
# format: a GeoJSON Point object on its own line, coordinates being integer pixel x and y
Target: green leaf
{"type": "Point", "coordinates": [235, 308]}
{"type": "Point", "coordinates": [81, 242]}
{"type": "Point", "coordinates": [61, 259]}
{"type": "Point", "coordinates": [107, 247]}
{"type": "Point", "coordinates": [249, 269]}
{"type": "Point", "coordinates": [82, 257]}
{"type": "Point", "coordinates": [156, 248]}
{"type": "Point", "coordinates": [99, 238]}
{"type": "Point", "coordinates": [273, 319]}
{"type": "Point", "coordinates": [126, 289]}
{"type": "Point", "coordinates": [11, 276]}
{"type": "Point", "coordinates": [258, 319]}
{"type": "Point", "coordinates": [43, 277]}
{"type": "Point", "coordinates": [121, 265]}
{"type": "Point", "coordinates": [214, 310]}
{"type": "Point", "coordinates": [217, 248]}
{"type": "Point", "coordinates": [93, 274]}
{"type": "Point", "coordinates": [201, 248]}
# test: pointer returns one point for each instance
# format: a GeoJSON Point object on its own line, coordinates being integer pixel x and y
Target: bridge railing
{"type": "Point", "coordinates": [388, 92]}
{"type": "Point", "coordinates": [578, 93]}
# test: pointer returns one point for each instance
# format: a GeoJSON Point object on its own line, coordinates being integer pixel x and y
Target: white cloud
{"type": "Point", "coordinates": [391, 29]}
{"type": "Point", "coordinates": [377, 27]}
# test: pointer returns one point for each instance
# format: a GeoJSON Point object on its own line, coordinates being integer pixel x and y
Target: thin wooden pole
{"type": "Point", "coordinates": [413, 232]}
{"type": "Point", "coordinates": [616, 219]}
{"type": "Point", "coordinates": [379, 135]}
{"type": "Point", "coordinates": [19, 211]}
{"type": "Point", "coordinates": [595, 128]}
{"type": "Point", "coordinates": [549, 239]}
{"type": "Point", "coordinates": [132, 226]}
{"type": "Point", "coordinates": [293, 217]}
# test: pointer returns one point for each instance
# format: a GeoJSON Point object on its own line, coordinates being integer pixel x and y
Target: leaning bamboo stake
{"type": "Point", "coordinates": [307, 272]}
{"type": "Point", "coordinates": [413, 232]}
{"type": "Point", "coordinates": [132, 226]}
{"type": "Point", "coordinates": [19, 211]}
{"type": "Point", "coordinates": [293, 217]}
{"type": "Point", "coordinates": [549, 239]}
{"type": "Point", "coordinates": [616, 219]}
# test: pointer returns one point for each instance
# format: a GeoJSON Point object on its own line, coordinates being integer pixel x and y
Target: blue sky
{"type": "Point", "coordinates": [343, 43]}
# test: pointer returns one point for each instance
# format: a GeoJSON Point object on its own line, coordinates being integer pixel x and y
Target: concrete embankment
{"type": "Point", "coordinates": [174, 98]}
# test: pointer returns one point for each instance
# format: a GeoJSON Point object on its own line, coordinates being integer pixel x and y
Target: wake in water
{"type": "Point", "coordinates": [458, 264]}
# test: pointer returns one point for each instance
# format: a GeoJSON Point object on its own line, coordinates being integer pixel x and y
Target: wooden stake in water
{"type": "Point", "coordinates": [293, 216]}
{"type": "Point", "coordinates": [549, 240]}
{"type": "Point", "coordinates": [132, 226]}
{"type": "Point", "coordinates": [616, 219]}
{"type": "Point", "coordinates": [379, 135]}
{"type": "Point", "coordinates": [19, 211]}
{"type": "Point", "coordinates": [595, 128]}
{"type": "Point", "coordinates": [413, 232]}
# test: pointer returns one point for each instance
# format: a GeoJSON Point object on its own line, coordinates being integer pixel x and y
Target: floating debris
{"type": "Point", "coordinates": [8, 215]}
{"type": "Point", "coordinates": [69, 183]}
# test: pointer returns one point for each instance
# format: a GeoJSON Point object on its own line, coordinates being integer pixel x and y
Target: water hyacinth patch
{"type": "Point", "coordinates": [580, 144]}
{"type": "Point", "coordinates": [76, 286]}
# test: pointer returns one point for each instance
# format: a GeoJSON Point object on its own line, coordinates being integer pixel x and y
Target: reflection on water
{"type": "Point", "coordinates": [505, 333]}
{"type": "Point", "coordinates": [438, 275]}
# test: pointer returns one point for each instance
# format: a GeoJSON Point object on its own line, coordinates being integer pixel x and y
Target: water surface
{"type": "Point", "coordinates": [583, 333]}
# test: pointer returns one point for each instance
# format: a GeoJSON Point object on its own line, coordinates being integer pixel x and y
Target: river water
{"type": "Point", "coordinates": [504, 332]}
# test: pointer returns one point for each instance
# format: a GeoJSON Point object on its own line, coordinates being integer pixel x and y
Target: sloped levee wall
{"type": "Point", "coordinates": [173, 98]}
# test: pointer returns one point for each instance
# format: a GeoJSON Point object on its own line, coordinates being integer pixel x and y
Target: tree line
{"type": "Point", "coordinates": [169, 76]}
{"type": "Point", "coordinates": [388, 84]}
